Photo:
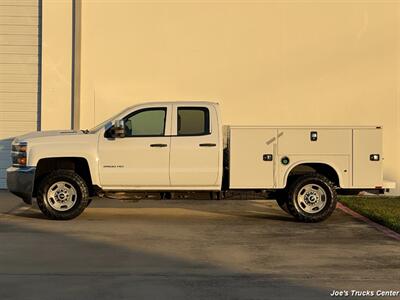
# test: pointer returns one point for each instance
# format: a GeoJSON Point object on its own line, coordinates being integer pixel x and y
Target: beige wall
{"type": "Point", "coordinates": [273, 63]}
{"type": "Point", "coordinates": [56, 64]}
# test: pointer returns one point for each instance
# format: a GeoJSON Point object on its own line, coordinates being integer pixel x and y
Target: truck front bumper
{"type": "Point", "coordinates": [20, 182]}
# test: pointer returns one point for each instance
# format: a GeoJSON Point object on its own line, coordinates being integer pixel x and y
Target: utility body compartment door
{"type": "Point", "coordinates": [252, 157]}
{"type": "Point", "coordinates": [367, 170]}
{"type": "Point", "coordinates": [322, 145]}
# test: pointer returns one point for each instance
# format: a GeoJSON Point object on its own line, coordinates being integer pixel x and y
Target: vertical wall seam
{"type": "Point", "coordinates": [39, 78]}
{"type": "Point", "coordinates": [76, 61]}
{"type": "Point", "coordinates": [73, 66]}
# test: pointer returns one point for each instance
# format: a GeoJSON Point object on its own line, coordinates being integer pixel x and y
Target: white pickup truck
{"type": "Point", "coordinates": [182, 146]}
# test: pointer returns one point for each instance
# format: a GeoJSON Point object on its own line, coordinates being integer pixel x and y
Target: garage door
{"type": "Point", "coordinates": [19, 73]}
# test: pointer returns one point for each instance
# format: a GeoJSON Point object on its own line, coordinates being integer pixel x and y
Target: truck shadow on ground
{"type": "Point", "coordinates": [112, 208]}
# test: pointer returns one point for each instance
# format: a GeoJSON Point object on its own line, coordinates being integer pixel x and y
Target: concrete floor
{"type": "Point", "coordinates": [185, 249]}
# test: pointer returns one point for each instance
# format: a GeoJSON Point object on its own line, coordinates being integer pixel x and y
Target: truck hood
{"type": "Point", "coordinates": [45, 134]}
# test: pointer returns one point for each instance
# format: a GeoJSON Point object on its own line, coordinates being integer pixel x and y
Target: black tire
{"type": "Point", "coordinates": [300, 193]}
{"type": "Point", "coordinates": [281, 198]}
{"type": "Point", "coordinates": [74, 180]}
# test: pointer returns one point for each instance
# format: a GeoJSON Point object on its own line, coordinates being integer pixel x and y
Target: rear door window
{"type": "Point", "coordinates": [193, 121]}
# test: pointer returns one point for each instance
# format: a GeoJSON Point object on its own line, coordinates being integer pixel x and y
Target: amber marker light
{"type": "Point", "coordinates": [21, 161]}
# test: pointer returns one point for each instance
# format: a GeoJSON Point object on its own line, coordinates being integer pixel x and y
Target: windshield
{"type": "Point", "coordinates": [107, 123]}
{"type": "Point", "coordinates": [101, 125]}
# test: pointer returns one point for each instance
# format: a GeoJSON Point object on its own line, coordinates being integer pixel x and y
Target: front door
{"type": "Point", "coordinates": [195, 147]}
{"type": "Point", "coordinates": [141, 158]}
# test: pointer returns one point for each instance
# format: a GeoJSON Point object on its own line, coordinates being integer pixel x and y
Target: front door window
{"type": "Point", "coordinates": [147, 122]}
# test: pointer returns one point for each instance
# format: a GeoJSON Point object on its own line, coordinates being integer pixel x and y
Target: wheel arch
{"type": "Point", "coordinates": [80, 165]}
{"type": "Point", "coordinates": [328, 170]}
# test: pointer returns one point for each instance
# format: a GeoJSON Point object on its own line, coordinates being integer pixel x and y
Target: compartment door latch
{"type": "Point", "coordinates": [268, 157]}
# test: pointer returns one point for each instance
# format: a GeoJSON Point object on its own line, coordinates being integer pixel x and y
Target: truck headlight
{"type": "Point", "coordinates": [18, 154]}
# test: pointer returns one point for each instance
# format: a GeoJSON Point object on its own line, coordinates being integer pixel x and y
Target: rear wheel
{"type": "Point", "coordinates": [62, 195]}
{"type": "Point", "coordinates": [312, 198]}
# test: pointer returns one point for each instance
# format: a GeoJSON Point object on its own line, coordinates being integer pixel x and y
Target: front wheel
{"type": "Point", "coordinates": [312, 198]}
{"type": "Point", "coordinates": [62, 195]}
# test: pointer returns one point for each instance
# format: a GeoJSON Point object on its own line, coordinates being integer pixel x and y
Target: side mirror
{"type": "Point", "coordinates": [119, 129]}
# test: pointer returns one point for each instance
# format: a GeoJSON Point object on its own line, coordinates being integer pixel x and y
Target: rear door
{"type": "Point", "coordinates": [194, 158]}
{"type": "Point", "coordinates": [19, 74]}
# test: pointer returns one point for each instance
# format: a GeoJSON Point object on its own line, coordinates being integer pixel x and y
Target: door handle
{"type": "Point", "coordinates": [158, 145]}
{"type": "Point", "coordinates": [207, 145]}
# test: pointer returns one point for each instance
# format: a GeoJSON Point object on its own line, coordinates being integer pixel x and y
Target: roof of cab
{"type": "Point", "coordinates": [154, 103]}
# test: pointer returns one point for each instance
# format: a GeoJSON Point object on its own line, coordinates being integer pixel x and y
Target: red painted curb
{"type": "Point", "coordinates": [386, 231]}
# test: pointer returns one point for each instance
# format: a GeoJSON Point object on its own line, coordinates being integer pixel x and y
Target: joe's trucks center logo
{"type": "Point", "coordinates": [365, 293]}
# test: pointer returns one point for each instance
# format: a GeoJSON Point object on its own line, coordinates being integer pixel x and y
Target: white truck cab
{"type": "Point", "coordinates": [182, 146]}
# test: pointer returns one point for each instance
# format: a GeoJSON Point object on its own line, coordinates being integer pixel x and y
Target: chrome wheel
{"type": "Point", "coordinates": [312, 198]}
{"type": "Point", "coordinates": [62, 196]}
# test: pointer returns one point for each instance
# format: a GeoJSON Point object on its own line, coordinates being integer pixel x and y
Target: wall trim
{"type": "Point", "coordinates": [76, 64]}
